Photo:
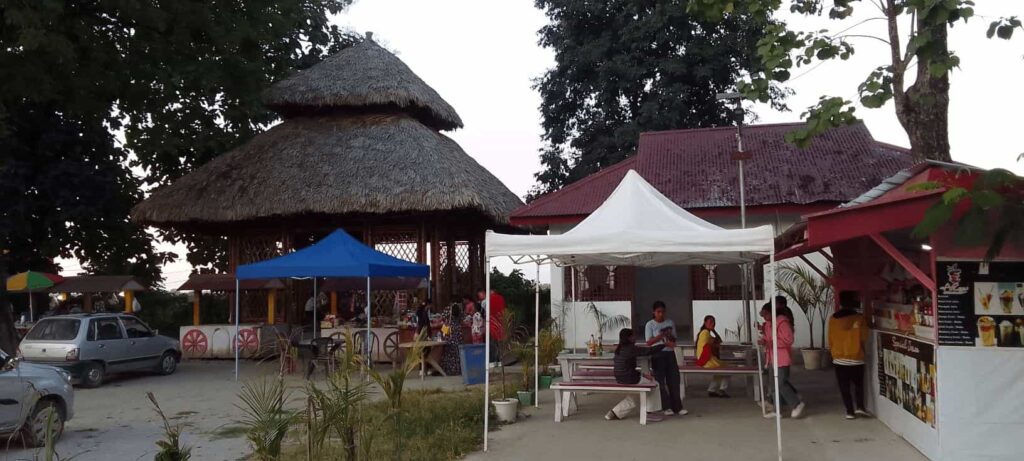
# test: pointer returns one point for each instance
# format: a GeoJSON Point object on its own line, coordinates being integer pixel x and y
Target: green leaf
{"type": "Point", "coordinates": [987, 199]}
{"type": "Point", "coordinates": [954, 195]}
{"type": "Point", "coordinates": [934, 218]}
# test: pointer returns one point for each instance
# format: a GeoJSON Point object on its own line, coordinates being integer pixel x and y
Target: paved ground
{"type": "Point", "coordinates": [116, 421]}
{"type": "Point", "coordinates": [730, 429]}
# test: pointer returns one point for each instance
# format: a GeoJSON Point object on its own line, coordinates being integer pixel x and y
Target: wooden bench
{"type": "Point", "coordinates": [601, 387]}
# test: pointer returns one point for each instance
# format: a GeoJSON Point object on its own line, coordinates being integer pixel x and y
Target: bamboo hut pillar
{"type": "Point", "coordinates": [195, 306]}
{"type": "Point", "coordinates": [87, 302]}
{"type": "Point", "coordinates": [129, 299]}
{"type": "Point", "coordinates": [453, 283]}
{"type": "Point", "coordinates": [271, 306]}
{"type": "Point", "coordinates": [334, 303]}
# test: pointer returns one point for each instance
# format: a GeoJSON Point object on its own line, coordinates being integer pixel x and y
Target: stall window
{"type": "Point", "coordinates": [725, 284]}
{"type": "Point", "coordinates": [600, 283]}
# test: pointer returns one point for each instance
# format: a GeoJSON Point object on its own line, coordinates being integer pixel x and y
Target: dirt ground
{"type": "Point", "coordinates": [117, 422]}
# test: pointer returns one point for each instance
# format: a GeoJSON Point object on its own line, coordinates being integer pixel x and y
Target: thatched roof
{"type": "Point", "coordinates": [332, 165]}
{"type": "Point", "coordinates": [362, 78]}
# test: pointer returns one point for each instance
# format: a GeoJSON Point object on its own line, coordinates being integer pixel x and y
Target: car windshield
{"type": "Point", "coordinates": [55, 330]}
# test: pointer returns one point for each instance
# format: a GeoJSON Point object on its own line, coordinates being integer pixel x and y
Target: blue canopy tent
{"type": "Point", "coordinates": [336, 256]}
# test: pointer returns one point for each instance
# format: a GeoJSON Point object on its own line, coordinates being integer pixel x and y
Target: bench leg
{"type": "Point", "coordinates": [682, 385]}
{"type": "Point", "coordinates": [558, 405]}
{"type": "Point", "coordinates": [643, 408]}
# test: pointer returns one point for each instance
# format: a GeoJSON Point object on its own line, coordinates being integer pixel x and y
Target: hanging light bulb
{"type": "Point", "coordinates": [711, 276]}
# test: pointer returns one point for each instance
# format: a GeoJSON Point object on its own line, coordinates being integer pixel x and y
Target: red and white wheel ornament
{"type": "Point", "coordinates": [194, 343]}
{"type": "Point", "coordinates": [247, 341]}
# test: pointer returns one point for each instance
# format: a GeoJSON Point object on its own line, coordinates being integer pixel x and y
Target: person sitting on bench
{"type": "Point", "coordinates": [626, 373]}
{"type": "Point", "coordinates": [708, 347]}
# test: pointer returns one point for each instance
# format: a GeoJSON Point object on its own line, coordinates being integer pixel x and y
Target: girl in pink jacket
{"type": "Point", "coordinates": [779, 335]}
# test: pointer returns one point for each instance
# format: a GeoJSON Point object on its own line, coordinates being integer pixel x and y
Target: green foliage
{"type": "Point", "coordinates": [170, 447]}
{"type": "Point", "coordinates": [265, 417]}
{"type": "Point", "coordinates": [180, 80]}
{"type": "Point", "coordinates": [520, 296]}
{"type": "Point", "coordinates": [921, 102]}
{"type": "Point", "coordinates": [628, 66]}
{"type": "Point", "coordinates": [811, 293]}
{"type": "Point", "coordinates": [987, 212]}
{"type": "Point", "coordinates": [336, 411]}
{"type": "Point", "coordinates": [437, 426]}
{"type": "Point", "coordinates": [393, 385]}
{"type": "Point", "coordinates": [550, 343]}
{"type": "Point", "coordinates": [525, 353]}
{"type": "Point", "coordinates": [504, 345]}
{"type": "Point", "coordinates": [605, 322]}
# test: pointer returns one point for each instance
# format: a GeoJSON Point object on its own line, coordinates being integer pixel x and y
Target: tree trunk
{"type": "Point", "coordinates": [923, 109]}
{"type": "Point", "coordinates": [8, 335]}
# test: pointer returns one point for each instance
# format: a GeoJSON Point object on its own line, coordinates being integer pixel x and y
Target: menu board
{"type": "Point", "coordinates": [906, 375]}
{"type": "Point", "coordinates": [980, 304]}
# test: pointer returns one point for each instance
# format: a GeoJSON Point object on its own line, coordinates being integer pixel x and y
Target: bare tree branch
{"type": "Point", "coordinates": [865, 36]}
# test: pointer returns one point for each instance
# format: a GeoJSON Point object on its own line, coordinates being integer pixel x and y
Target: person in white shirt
{"type": "Point", "coordinates": [662, 331]}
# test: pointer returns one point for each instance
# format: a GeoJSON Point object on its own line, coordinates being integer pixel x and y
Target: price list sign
{"type": "Point", "coordinates": [980, 304]}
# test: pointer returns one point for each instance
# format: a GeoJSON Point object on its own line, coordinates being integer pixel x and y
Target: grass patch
{"type": "Point", "coordinates": [228, 432]}
{"type": "Point", "coordinates": [436, 426]}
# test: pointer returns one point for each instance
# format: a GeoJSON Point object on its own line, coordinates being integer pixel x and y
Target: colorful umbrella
{"type": "Point", "coordinates": [27, 282]}
{"type": "Point", "coordinates": [32, 281]}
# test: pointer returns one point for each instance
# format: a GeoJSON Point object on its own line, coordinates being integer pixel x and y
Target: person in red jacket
{"type": "Point", "coordinates": [496, 304]}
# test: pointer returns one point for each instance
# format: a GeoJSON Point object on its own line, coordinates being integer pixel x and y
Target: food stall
{"type": "Point", "coordinates": [214, 341]}
{"type": "Point", "coordinates": [946, 353]}
{"type": "Point", "coordinates": [387, 324]}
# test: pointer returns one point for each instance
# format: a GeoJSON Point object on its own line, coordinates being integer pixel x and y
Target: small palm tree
{"type": "Point", "coordinates": [808, 291]}
{"type": "Point", "coordinates": [393, 384]}
{"type": "Point", "coordinates": [606, 322]}
{"type": "Point", "coordinates": [266, 420]}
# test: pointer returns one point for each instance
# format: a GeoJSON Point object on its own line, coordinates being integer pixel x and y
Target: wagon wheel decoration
{"type": "Point", "coordinates": [194, 343]}
{"type": "Point", "coordinates": [391, 347]}
{"type": "Point", "coordinates": [247, 341]}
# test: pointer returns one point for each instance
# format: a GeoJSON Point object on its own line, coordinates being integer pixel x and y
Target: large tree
{"type": "Point", "coordinates": [627, 66]}
{"type": "Point", "coordinates": [914, 75]}
{"type": "Point", "coordinates": [100, 99]}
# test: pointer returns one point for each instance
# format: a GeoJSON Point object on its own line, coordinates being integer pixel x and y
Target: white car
{"type": "Point", "coordinates": [32, 398]}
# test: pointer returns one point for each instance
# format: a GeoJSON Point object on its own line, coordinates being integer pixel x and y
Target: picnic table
{"type": "Point", "coordinates": [432, 351]}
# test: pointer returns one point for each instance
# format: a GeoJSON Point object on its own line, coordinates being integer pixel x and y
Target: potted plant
{"type": "Point", "coordinates": [549, 344]}
{"type": "Point", "coordinates": [606, 322]}
{"type": "Point", "coordinates": [813, 294]}
{"type": "Point", "coordinates": [506, 408]}
{"type": "Point", "coordinates": [524, 352]}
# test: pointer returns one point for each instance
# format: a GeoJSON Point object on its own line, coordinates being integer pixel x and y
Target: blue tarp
{"type": "Point", "coordinates": [337, 255]}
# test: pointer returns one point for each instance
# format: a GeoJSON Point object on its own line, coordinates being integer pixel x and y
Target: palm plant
{"type": "Point", "coordinates": [524, 352]}
{"type": "Point", "coordinates": [336, 409]}
{"type": "Point", "coordinates": [606, 322]}
{"type": "Point", "coordinates": [549, 344]}
{"type": "Point", "coordinates": [265, 418]}
{"type": "Point", "coordinates": [393, 384]}
{"type": "Point", "coordinates": [504, 344]}
{"type": "Point", "coordinates": [812, 293]}
{"type": "Point", "coordinates": [171, 448]}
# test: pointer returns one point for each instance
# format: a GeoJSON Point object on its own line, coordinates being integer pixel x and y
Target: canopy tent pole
{"type": "Point", "coordinates": [366, 341]}
{"type": "Point", "coordinates": [316, 300]}
{"type": "Point", "coordinates": [31, 314]}
{"type": "Point", "coordinates": [775, 359]}
{"type": "Point", "coordinates": [237, 290]}
{"type": "Point", "coordinates": [487, 352]}
{"type": "Point", "coordinates": [536, 336]}
{"type": "Point", "coordinates": [572, 270]}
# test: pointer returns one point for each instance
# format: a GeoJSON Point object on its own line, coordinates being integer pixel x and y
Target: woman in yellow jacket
{"type": "Point", "coordinates": [847, 332]}
{"type": "Point", "coordinates": [708, 343]}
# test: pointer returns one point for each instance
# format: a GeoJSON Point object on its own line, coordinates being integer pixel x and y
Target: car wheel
{"type": "Point", "coordinates": [44, 415]}
{"type": "Point", "coordinates": [93, 374]}
{"type": "Point", "coordinates": [168, 363]}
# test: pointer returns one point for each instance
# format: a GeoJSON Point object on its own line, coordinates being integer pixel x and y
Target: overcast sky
{"type": "Point", "coordinates": [482, 57]}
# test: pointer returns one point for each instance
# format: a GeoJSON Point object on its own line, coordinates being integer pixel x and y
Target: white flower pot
{"type": "Point", "coordinates": [506, 409]}
{"type": "Point", "coordinates": [812, 358]}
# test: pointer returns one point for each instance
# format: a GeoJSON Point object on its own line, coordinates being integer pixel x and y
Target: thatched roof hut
{"type": "Point", "coordinates": [359, 137]}
{"type": "Point", "coordinates": [360, 148]}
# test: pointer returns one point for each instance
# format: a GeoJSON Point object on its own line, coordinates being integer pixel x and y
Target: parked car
{"type": "Point", "coordinates": [91, 346]}
{"type": "Point", "coordinates": [32, 398]}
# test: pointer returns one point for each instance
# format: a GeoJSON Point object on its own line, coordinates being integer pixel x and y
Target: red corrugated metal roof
{"type": "Point", "coordinates": [694, 168]}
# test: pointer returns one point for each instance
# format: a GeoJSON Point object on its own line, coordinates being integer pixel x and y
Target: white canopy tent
{"type": "Point", "coordinates": [637, 226]}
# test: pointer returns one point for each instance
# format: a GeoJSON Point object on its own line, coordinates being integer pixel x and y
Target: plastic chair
{"type": "Point", "coordinates": [360, 338]}
{"type": "Point", "coordinates": [323, 353]}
